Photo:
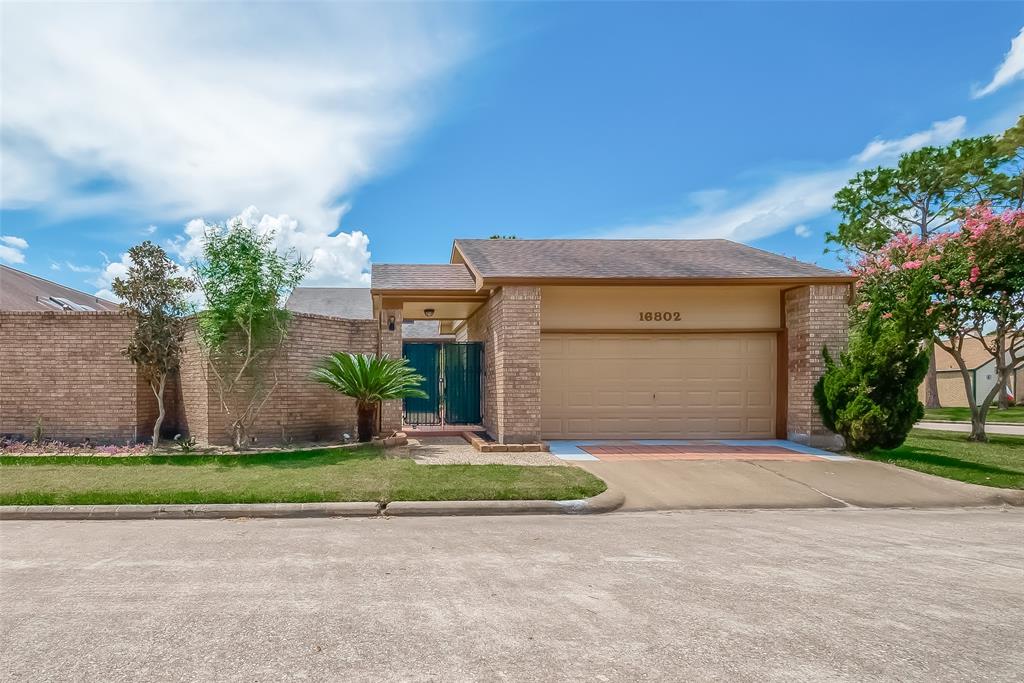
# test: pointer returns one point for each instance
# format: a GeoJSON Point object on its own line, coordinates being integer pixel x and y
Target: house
{"type": "Point", "coordinates": [982, 367]}
{"type": "Point", "coordinates": [20, 291]}
{"type": "Point", "coordinates": [649, 339]}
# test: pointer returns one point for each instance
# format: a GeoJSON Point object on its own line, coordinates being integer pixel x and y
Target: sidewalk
{"type": "Point", "coordinates": [1007, 429]}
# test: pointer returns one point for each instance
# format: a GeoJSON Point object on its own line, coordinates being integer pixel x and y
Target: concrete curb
{"type": "Point", "coordinates": [608, 501]}
{"type": "Point", "coordinates": [210, 511]}
{"type": "Point", "coordinates": [603, 502]}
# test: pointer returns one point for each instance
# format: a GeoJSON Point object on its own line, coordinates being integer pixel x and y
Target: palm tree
{"type": "Point", "coordinates": [369, 380]}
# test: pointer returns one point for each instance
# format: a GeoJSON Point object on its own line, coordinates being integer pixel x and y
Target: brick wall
{"type": "Point", "coordinates": [478, 329]}
{"type": "Point", "coordinates": [390, 345]}
{"type": "Point", "coordinates": [816, 316]}
{"type": "Point", "coordinates": [66, 369]}
{"type": "Point", "coordinates": [509, 326]}
{"type": "Point", "coordinates": [298, 409]}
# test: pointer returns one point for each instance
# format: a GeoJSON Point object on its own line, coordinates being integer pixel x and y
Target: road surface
{"type": "Point", "coordinates": [806, 595]}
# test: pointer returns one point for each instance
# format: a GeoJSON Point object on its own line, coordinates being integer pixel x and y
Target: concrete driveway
{"type": "Point", "coordinates": [675, 475]}
{"type": "Point", "coordinates": [799, 595]}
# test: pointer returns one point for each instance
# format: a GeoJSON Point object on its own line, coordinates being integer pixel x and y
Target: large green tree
{"type": "Point", "coordinates": [153, 293]}
{"type": "Point", "coordinates": [924, 195]}
{"type": "Point", "coordinates": [245, 282]}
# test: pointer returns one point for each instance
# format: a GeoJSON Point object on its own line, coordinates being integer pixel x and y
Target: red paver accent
{"type": "Point", "coordinates": [626, 452]}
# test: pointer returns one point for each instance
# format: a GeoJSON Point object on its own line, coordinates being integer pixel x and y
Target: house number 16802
{"type": "Point", "coordinates": [659, 316]}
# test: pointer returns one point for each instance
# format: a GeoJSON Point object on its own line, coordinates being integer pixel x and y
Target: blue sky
{"type": "Point", "coordinates": [381, 132]}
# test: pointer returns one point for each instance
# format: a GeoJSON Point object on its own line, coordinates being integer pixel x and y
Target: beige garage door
{"type": "Point", "coordinates": [659, 386]}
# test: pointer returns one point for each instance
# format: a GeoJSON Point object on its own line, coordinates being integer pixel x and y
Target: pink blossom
{"type": "Point", "coordinates": [886, 316]}
{"type": "Point", "coordinates": [936, 277]}
{"type": "Point", "coordinates": [864, 306]}
{"type": "Point", "coordinates": [975, 272]}
{"type": "Point", "coordinates": [912, 265]}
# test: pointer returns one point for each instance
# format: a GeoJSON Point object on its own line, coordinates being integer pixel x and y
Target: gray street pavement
{"type": "Point", "coordinates": [811, 595]}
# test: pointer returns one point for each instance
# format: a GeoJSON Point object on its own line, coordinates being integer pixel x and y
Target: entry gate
{"type": "Point", "coordinates": [451, 373]}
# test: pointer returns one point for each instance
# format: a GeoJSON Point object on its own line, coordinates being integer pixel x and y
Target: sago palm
{"type": "Point", "coordinates": [369, 380]}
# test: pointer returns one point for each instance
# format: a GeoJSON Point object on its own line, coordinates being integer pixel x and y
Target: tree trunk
{"type": "Point", "coordinates": [364, 423]}
{"type": "Point", "coordinates": [159, 391]}
{"type": "Point", "coordinates": [238, 435]}
{"type": "Point", "coordinates": [978, 417]}
{"type": "Point", "coordinates": [931, 382]}
{"type": "Point", "coordinates": [1002, 374]}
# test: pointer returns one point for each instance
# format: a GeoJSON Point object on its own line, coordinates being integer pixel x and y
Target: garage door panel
{"type": "Point", "coordinates": [658, 386]}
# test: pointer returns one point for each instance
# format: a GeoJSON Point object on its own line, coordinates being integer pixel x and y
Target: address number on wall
{"type": "Point", "coordinates": [659, 316]}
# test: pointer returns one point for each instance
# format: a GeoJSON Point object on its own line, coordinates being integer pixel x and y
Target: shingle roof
{"type": "Point", "coordinates": [21, 291]}
{"type": "Point", "coordinates": [613, 259]}
{"type": "Point", "coordinates": [433, 276]}
{"type": "Point", "coordinates": [353, 303]}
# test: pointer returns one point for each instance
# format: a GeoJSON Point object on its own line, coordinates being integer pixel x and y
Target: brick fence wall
{"type": "Point", "coordinates": [67, 370]}
{"type": "Point", "coordinates": [298, 409]}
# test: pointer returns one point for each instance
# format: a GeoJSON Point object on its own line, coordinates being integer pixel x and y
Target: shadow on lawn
{"type": "Point", "coordinates": [928, 457]}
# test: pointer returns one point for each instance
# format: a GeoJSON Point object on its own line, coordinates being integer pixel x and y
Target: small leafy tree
{"type": "Point", "coordinates": [869, 396]}
{"type": "Point", "coordinates": [245, 282]}
{"type": "Point", "coordinates": [154, 294]}
{"type": "Point", "coordinates": [369, 380]}
{"type": "Point", "coordinates": [974, 279]}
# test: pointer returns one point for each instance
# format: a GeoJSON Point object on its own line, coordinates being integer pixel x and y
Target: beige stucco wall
{"type": "Point", "coordinates": [621, 308]}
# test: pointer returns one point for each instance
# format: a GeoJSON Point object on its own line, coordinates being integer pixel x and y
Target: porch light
{"type": "Point", "coordinates": [391, 323]}
{"type": "Point", "coordinates": [429, 312]}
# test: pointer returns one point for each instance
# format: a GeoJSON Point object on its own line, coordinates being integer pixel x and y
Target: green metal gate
{"type": "Point", "coordinates": [451, 373]}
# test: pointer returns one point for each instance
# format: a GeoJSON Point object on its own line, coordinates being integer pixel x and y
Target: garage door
{"type": "Point", "coordinates": [608, 386]}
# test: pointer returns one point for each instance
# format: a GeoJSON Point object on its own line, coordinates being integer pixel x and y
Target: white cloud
{"type": "Point", "coordinates": [339, 259]}
{"type": "Point", "coordinates": [802, 231]}
{"type": "Point", "coordinates": [1011, 69]}
{"type": "Point", "coordinates": [149, 230]}
{"type": "Point", "coordinates": [787, 200]}
{"type": "Point", "coordinates": [940, 133]}
{"type": "Point", "coordinates": [173, 110]}
{"type": "Point", "coordinates": [12, 241]}
{"type": "Point", "coordinates": [80, 269]}
{"type": "Point", "coordinates": [111, 270]}
{"type": "Point", "coordinates": [12, 249]}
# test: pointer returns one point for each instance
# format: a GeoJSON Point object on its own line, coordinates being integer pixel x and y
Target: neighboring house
{"type": "Point", "coordinates": [20, 291]}
{"type": "Point", "coordinates": [982, 366]}
{"type": "Point", "coordinates": [654, 339]}
{"type": "Point", "coordinates": [355, 303]}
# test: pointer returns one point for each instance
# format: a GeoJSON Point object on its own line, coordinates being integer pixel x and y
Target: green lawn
{"type": "Point", "coordinates": [948, 454]}
{"type": "Point", "coordinates": [295, 477]}
{"type": "Point", "coordinates": [1013, 415]}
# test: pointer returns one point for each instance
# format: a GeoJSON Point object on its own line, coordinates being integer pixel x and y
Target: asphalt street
{"type": "Point", "coordinates": [812, 595]}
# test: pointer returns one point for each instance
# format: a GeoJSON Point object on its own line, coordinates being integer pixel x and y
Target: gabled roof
{"type": "Point", "coordinates": [21, 291]}
{"type": "Point", "coordinates": [497, 261]}
{"type": "Point", "coordinates": [353, 303]}
{"type": "Point", "coordinates": [444, 276]}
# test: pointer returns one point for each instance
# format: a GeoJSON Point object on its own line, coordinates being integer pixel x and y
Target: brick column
{"type": "Point", "coordinates": [816, 316]}
{"type": "Point", "coordinates": [390, 344]}
{"type": "Point", "coordinates": [515, 380]}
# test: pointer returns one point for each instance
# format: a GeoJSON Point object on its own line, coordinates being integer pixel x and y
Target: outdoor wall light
{"type": "Point", "coordinates": [391, 323]}
{"type": "Point", "coordinates": [429, 312]}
